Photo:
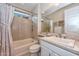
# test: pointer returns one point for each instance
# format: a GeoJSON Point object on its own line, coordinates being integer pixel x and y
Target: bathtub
{"type": "Point", "coordinates": [21, 47]}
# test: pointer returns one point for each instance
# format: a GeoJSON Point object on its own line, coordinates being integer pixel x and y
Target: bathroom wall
{"type": "Point", "coordinates": [21, 28]}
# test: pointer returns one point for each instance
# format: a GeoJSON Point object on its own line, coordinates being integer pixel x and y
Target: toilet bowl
{"type": "Point", "coordinates": [34, 49]}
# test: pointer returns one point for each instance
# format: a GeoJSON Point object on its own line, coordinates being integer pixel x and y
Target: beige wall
{"type": "Point", "coordinates": [59, 15]}
{"type": "Point", "coordinates": [21, 28]}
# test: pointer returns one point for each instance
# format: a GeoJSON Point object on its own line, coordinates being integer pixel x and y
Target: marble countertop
{"type": "Point", "coordinates": [66, 44]}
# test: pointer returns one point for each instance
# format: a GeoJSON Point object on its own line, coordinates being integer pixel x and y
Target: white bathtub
{"type": "Point", "coordinates": [21, 47]}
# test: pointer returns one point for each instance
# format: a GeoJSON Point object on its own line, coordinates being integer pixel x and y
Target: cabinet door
{"type": "Point", "coordinates": [44, 51]}
{"type": "Point", "coordinates": [53, 54]}
{"type": "Point", "coordinates": [47, 52]}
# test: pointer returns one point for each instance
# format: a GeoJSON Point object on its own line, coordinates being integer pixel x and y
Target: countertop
{"type": "Point", "coordinates": [66, 44]}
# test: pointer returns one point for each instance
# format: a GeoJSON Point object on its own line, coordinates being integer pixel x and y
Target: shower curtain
{"type": "Point", "coordinates": [6, 17]}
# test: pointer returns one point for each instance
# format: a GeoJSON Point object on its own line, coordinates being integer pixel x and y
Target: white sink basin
{"type": "Point", "coordinates": [61, 41]}
{"type": "Point", "coordinates": [67, 42]}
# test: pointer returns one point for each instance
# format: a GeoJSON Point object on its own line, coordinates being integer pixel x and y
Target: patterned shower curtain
{"type": "Point", "coordinates": [6, 17]}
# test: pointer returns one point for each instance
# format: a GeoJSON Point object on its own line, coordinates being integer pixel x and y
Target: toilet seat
{"type": "Point", "coordinates": [34, 48]}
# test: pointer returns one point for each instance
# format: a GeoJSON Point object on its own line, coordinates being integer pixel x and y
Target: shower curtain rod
{"type": "Point", "coordinates": [21, 9]}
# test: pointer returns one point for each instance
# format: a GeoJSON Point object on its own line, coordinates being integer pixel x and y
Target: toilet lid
{"type": "Point", "coordinates": [36, 46]}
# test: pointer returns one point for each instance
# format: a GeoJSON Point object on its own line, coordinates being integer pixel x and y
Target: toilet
{"type": "Point", "coordinates": [34, 49]}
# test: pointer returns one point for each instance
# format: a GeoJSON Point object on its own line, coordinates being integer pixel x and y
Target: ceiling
{"type": "Point", "coordinates": [46, 8]}
{"type": "Point", "coordinates": [53, 7]}
{"type": "Point", "coordinates": [30, 6]}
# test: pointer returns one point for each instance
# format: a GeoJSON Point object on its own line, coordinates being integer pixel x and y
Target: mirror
{"type": "Point", "coordinates": [65, 21]}
{"type": "Point", "coordinates": [72, 20]}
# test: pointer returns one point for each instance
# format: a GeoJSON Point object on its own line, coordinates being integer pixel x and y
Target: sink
{"type": "Point", "coordinates": [67, 42]}
{"type": "Point", "coordinates": [61, 41]}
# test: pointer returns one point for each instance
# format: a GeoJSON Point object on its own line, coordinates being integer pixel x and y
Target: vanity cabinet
{"type": "Point", "coordinates": [44, 51]}
{"type": "Point", "coordinates": [48, 49]}
{"type": "Point", "coordinates": [47, 52]}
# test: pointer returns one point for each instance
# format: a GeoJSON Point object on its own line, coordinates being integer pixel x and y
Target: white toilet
{"type": "Point", "coordinates": [34, 49]}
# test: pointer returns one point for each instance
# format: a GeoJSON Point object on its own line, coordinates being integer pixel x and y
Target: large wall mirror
{"type": "Point", "coordinates": [72, 22]}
